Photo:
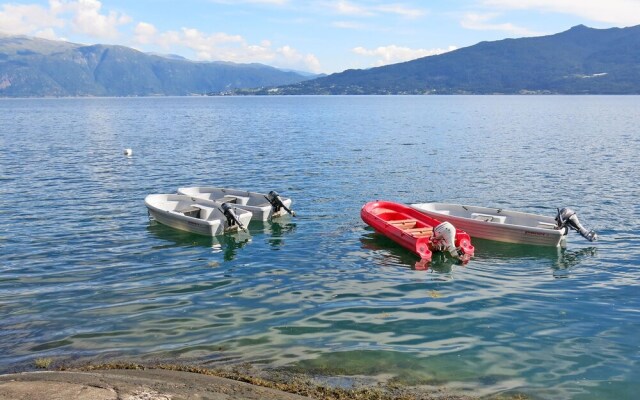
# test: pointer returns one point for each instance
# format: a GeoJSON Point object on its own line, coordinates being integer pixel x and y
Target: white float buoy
{"type": "Point", "coordinates": [128, 152]}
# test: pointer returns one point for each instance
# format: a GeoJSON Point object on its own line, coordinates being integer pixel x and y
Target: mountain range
{"type": "Point", "coordinates": [581, 60]}
{"type": "Point", "coordinates": [33, 67]}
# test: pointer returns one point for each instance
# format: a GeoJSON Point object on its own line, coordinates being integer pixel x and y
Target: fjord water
{"type": "Point", "coordinates": [84, 274]}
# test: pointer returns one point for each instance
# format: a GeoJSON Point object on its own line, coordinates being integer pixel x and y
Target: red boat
{"type": "Point", "coordinates": [416, 231]}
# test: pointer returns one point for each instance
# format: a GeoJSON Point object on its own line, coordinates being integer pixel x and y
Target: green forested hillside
{"type": "Point", "coordinates": [580, 60]}
{"type": "Point", "coordinates": [37, 67]}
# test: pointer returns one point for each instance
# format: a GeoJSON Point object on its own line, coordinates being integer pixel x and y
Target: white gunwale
{"type": "Point", "coordinates": [498, 224]}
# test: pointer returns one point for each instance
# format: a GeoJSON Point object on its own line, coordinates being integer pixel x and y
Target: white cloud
{"type": "Point", "coordinates": [28, 19]}
{"type": "Point", "coordinates": [483, 22]}
{"type": "Point", "coordinates": [394, 54]}
{"type": "Point", "coordinates": [88, 19]}
{"type": "Point", "coordinates": [344, 7]}
{"type": "Point", "coordinates": [348, 8]}
{"type": "Point", "coordinates": [47, 34]}
{"type": "Point", "coordinates": [273, 2]}
{"type": "Point", "coordinates": [235, 2]}
{"type": "Point", "coordinates": [290, 57]}
{"type": "Point", "coordinates": [84, 16]}
{"type": "Point", "coordinates": [617, 12]}
{"type": "Point", "coordinates": [144, 33]}
{"type": "Point", "coordinates": [401, 10]}
{"type": "Point", "coordinates": [224, 47]}
{"type": "Point", "coordinates": [348, 25]}
{"type": "Point", "coordinates": [217, 46]}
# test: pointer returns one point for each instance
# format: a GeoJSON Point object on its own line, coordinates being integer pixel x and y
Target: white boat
{"type": "Point", "coordinates": [196, 215]}
{"type": "Point", "coordinates": [262, 206]}
{"type": "Point", "coordinates": [508, 226]}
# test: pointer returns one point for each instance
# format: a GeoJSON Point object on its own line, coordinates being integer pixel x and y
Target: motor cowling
{"type": "Point", "coordinates": [232, 218]}
{"type": "Point", "coordinates": [566, 217]}
{"type": "Point", "coordinates": [276, 202]}
{"type": "Point", "coordinates": [444, 239]}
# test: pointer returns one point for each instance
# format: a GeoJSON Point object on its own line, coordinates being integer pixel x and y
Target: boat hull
{"type": "Point", "coordinates": [188, 225]}
{"type": "Point", "coordinates": [497, 224]}
{"type": "Point", "coordinates": [409, 228]}
{"type": "Point", "coordinates": [254, 202]}
{"type": "Point", "coordinates": [179, 212]}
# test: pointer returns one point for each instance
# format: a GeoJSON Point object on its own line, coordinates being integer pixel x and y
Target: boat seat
{"type": "Point", "coordinates": [205, 212]}
{"type": "Point", "coordinates": [190, 211]}
{"type": "Point", "coordinates": [229, 198]}
{"type": "Point", "coordinates": [401, 223]}
{"type": "Point", "coordinates": [546, 225]}
{"type": "Point", "coordinates": [498, 219]}
{"type": "Point", "coordinates": [420, 232]}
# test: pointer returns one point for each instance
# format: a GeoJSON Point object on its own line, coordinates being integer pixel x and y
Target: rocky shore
{"type": "Point", "coordinates": [171, 382]}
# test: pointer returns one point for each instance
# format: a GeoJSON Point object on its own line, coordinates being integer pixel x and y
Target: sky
{"type": "Point", "coordinates": [319, 36]}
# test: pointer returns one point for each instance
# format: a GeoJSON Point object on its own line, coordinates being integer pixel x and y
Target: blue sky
{"type": "Point", "coordinates": [317, 35]}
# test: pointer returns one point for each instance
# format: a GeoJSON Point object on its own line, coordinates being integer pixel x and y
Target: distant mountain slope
{"type": "Point", "coordinates": [38, 67]}
{"type": "Point", "coordinates": [580, 60]}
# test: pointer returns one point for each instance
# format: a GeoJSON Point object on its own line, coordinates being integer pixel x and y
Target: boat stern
{"type": "Point", "coordinates": [423, 249]}
{"type": "Point", "coordinates": [464, 246]}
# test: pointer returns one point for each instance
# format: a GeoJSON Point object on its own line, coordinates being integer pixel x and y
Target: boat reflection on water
{"type": "Point", "coordinates": [276, 229]}
{"type": "Point", "coordinates": [440, 262]}
{"type": "Point", "coordinates": [572, 258]}
{"type": "Point", "coordinates": [560, 258]}
{"type": "Point", "coordinates": [392, 254]}
{"type": "Point", "coordinates": [493, 250]}
{"type": "Point", "coordinates": [228, 244]}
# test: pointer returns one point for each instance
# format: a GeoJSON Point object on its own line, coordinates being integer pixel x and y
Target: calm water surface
{"type": "Point", "coordinates": [84, 273]}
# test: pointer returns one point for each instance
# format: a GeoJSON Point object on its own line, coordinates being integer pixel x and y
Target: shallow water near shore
{"type": "Point", "coordinates": [84, 273]}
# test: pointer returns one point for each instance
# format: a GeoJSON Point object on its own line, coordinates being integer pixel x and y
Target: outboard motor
{"type": "Point", "coordinates": [567, 218]}
{"type": "Point", "coordinates": [232, 218]}
{"type": "Point", "coordinates": [276, 202]}
{"type": "Point", "coordinates": [444, 238]}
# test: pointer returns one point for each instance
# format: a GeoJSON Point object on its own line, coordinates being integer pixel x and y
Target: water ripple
{"type": "Point", "coordinates": [84, 273]}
